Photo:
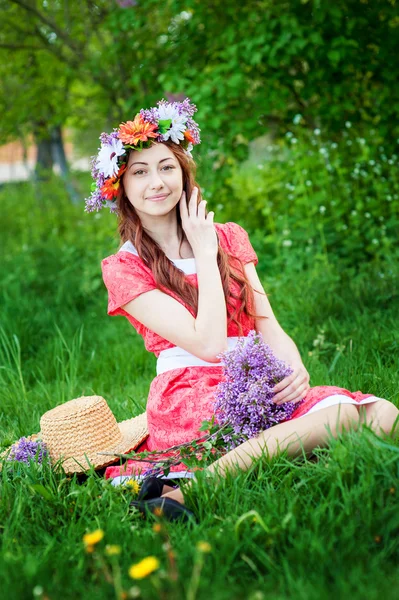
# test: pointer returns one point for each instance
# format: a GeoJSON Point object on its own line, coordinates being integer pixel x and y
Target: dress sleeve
{"type": "Point", "coordinates": [238, 243]}
{"type": "Point", "coordinates": [125, 278]}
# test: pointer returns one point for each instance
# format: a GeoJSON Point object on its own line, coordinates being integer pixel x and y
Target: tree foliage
{"type": "Point", "coordinates": [248, 66]}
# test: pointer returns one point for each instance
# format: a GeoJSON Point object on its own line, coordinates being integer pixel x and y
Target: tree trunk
{"type": "Point", "coordinates": [59, 151]}
{"type": "Point", "coordinates": [50, 152]}
{"type": "Point", "coordinates": [60, 159]}
{"type": "Point", "coordinates": [44, 157]}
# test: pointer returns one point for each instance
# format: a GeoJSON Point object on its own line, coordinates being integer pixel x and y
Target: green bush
{"type": "Point", "coordinates": [317, 199]}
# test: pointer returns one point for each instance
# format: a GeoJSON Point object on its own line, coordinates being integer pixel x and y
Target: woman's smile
{"type": "Point", "coordinates": [158, 198]}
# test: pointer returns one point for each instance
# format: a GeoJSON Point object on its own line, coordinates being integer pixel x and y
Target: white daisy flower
{"type": "Point", "coordinates": [167, 111]}
{"type": "Point", "coordinates": [177, 129]}
{"type": "Point", "coordinates": [107, 161]}
{"type": "Point", "coordinates": [188, 151]}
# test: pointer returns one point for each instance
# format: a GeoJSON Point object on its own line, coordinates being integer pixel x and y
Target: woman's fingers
{"type": "Point", "coordinates": [290, 384]}
{"type": "Point", "coordinates": [286, 381]}
{"type": "Point", "coordinates": [194, 210]}
{"type": "Point", "coordinates": [296, 396]}
{"type": "Point", "coordinates": [282, 396]}
{"type": "Point", "coordinates": [199, 227]}
{"type": "Point", "coordinates": [201, 209]}
{"type": "Point", "coordinates": [183, 207]}
{"type": "Point", "coordinates": [193, 203]}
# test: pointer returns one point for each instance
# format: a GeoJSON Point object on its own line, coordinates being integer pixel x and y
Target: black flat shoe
{"type": "Point", "coordinates": [169, 509]}
{"type": "Point", "coordinates": [152, 488]}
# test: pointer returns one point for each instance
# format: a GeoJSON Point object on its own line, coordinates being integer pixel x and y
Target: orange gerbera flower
{"type": "Point", "coordinates": [136, 131]}
{"type": "Point", "coordinates": [189, 136]}
{"type": "Point", "coordinates": [111, 186]}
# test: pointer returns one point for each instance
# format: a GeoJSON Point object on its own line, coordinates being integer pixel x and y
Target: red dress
{"type": "Point", "coordinates": [181, 398]}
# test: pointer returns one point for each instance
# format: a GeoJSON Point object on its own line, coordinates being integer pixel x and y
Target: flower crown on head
{"type": "Point", "coordinates": [168, 120]}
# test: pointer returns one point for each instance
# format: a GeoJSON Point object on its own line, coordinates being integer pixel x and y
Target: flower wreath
{"type": "Point", "coordinates": [168, 120]}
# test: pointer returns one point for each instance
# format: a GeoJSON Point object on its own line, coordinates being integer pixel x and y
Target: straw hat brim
{"type": "Point", "coordinates": [133, 431]}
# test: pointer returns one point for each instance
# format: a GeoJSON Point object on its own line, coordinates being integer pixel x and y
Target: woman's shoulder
{"type": "Point", "coordinates": [125, 262]}
{"type": "Point", "coordinates": [232, 233]}
{"type": "Point", "coordinates": [235, 241]}
{"type": "Point", "coordinates": [230, 227]}
{"type": "Point", "coordinates": [126, 250]}
{"type": "Point", "coordinates": [127, 254]}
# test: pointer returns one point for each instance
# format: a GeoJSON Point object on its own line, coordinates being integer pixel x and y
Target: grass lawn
{"type": "Point", "coordinates": [323, 527]}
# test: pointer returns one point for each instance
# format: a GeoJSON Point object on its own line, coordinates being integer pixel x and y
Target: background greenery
{"type": "Point", "coordinates": [298, 111]}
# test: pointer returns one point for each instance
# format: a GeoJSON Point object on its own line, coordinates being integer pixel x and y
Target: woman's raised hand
{"type": "Point", "coordinates": [198, 227]}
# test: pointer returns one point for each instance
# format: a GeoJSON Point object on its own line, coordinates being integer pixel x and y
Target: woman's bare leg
{"type": "Point", "coordinates": [381, 416]}
{"type": "Point", "coordinates": [307, 433]}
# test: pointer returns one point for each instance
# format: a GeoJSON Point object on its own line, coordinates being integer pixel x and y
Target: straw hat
{"type": "Point", "coordinates": [79, 430]}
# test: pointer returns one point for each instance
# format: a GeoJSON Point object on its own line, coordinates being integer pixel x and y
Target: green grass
{"type": "Point", "coordinates": [322, 527]}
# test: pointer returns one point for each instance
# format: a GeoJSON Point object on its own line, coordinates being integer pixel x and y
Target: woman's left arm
{"type": "Point", "coordinates": [294, 387]}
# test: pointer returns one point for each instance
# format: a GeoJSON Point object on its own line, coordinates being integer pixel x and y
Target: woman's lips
{"type": "Point", "coordinates": [158, 198]}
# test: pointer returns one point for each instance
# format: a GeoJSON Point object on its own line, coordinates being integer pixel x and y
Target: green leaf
{"type": "Point", "coordinates": [205, 425]}
{"type": "Point", "coordinates": [38, 488]}
{"type": "Point", "coordinates": [164, 124]}
{"type": "Point", "coordinates": [255, 518]}
{"type": "Point", "coordinates": [334, 56]}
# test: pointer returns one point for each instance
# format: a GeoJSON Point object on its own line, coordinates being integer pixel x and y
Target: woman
{"type": "Point", "coordinates": [190, 287]}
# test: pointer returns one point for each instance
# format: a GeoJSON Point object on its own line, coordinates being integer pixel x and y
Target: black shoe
{"type": "Point", "coordinates": [169, 509]}
{"type": "Point", "coordinates": [152, 488]}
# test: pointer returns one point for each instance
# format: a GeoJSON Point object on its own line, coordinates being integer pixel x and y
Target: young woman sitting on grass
{"type": "Point", "coordinates": [190, 288]}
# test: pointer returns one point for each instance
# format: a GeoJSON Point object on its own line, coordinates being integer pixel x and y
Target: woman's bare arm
{"type": "Point", "coordinates": [271, 330]}
{"type": "Point", "coordinates": [204, 336]}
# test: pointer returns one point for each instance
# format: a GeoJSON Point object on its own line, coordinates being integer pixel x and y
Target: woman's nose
{"type": "Point", "coordinates": [156, 181]}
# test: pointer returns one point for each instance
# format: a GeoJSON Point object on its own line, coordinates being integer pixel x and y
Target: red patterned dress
{"type": "Point", "coordinates": [180, 396]}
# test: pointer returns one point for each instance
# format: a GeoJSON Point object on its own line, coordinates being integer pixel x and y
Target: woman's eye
{"type": "Point", "coordinates": [142, 171]}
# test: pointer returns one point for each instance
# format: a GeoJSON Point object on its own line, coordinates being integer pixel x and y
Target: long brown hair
{"type": "Point", "coordinates": [165, 273]}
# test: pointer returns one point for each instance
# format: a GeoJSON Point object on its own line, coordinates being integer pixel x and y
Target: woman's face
{"type": "Point", "coordinates": [153, 172]}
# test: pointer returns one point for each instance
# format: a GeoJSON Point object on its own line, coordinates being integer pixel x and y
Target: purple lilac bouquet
{"type": "Point", "coordinates": [243, 408]}
{"type": "Point", "coordinates": [25, 450]}
{"type": "Point", "coordinates": [244, 399]}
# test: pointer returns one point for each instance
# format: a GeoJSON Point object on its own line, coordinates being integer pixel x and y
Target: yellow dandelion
{"type": "Point", "coordinates": [157, 527]}
{"type": "Point", "coordinates": [158, 512]}
{"type": "Point", "coordinates": [204, 546]}
{"type": "Point", "coordinates": [144, 568]}
{"type": "Point", "coordinates": [112, 549]}
{"type": "Point", "coordinates": [134, 485]}
{"type": "Point", "coordinates": [90, 539]}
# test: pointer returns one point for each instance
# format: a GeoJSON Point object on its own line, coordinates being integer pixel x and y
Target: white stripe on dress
{"type": "Point", "coordinates": [123, 479]}
{"type": "Point", "coordinates": [338, 399]}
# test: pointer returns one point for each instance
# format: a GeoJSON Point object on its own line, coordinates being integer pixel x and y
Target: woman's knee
{"type": "Point", "coordinates": [383, 415]}
{"type": "Point", "coordinates": [348, 415]}
{"type": "Point", "coordinates": [336, 418]}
